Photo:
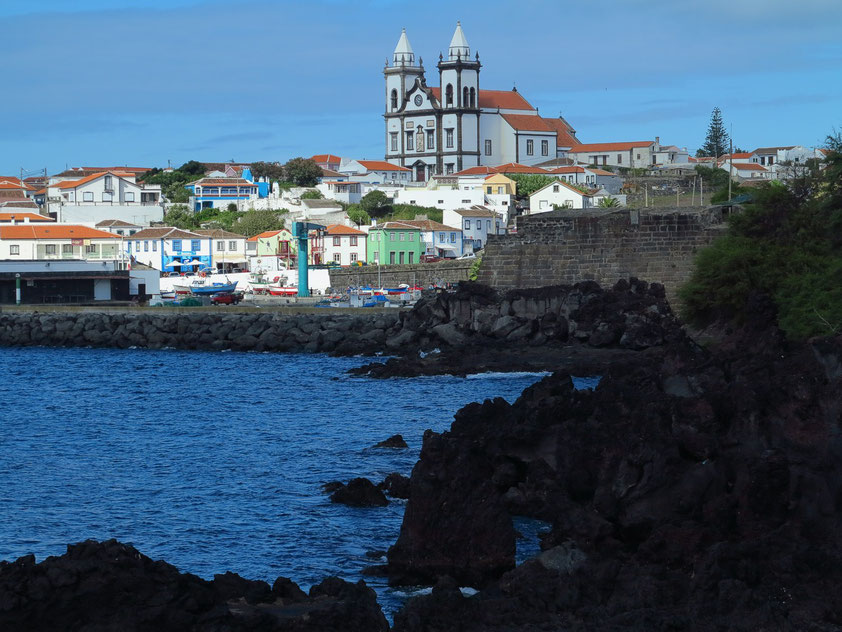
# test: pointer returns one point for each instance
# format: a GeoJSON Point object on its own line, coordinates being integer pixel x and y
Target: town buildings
{"type": "Point", "coordinates": [171, 249]}
{"type": "Point", "coordinates": [218, 190]}
{"type": "Point", "coordinates": [45, 242]}
{"type": "Point", "coordinates": [394, 243]}
{"type": "Point", "coordinates": [477, 224]}
{"type": "Point", "coordinates": [345, 245]}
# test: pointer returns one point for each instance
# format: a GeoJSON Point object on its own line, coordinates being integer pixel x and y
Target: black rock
{"type": "Point", "coordinates": [395, 441]}
{"type": "Point", "coordinates": [359, 492]}
{"type": "Point", "coordinates": [396, 485]}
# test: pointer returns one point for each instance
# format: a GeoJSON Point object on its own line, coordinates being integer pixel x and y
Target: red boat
{"type": "Point", "coordinates": [280, 290]}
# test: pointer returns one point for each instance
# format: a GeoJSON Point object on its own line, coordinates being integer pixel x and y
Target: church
{"type": "Point", "coordinates": [443, 130]}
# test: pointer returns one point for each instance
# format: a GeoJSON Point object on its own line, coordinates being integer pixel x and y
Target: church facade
{"type": "Point", "coordinates": [443, 130]}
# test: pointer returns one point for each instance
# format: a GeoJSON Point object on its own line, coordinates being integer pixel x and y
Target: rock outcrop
{"type": "Point", "coordinates": [698, 491]}
{"type": "Point", "coordinates": [359, 492]}
{"type": "Point", "coordinates": [112, 586]}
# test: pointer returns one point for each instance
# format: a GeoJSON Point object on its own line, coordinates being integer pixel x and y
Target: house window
{"type": "Point", "coordinates": [500, 191]}
{"type": "Point", "coordinates": [146, 246]}
{"type": "Point", "coordinates": [402, 237]}
{"type": "Point", "coordinates": [128, 246]}
{"type": "Point", "coordinates": [441, 237]}
{"type": "Point", "coordinates": [472, 98]}
{"type": "Point", "coordinates": [89, 250]}
{"type": "Point", "coordinates": [431, 143]}
{"type": "Point", "coordinates": [337, 257]}
{"type": "Point", "coordinates": [391, 236]}
{"type": "Point", "coordinates": [394, 99]}
{"type": "Point", "coordinates": [448, 138]}
{"type": "Point", "coordinates": [88, 196]}
{"type": "Point", "coordinates": [129, 196]}
{"type": "Point", "coordinates": [465, 97]}
{"type": "Point", "coordinates": [195, 245]}
{"type": "Point", "coordinates": [638, 156]}
{"type": "Point", "coordinates": [176, 245]}
{"type": "Point", "coordinates": [50, 249]}
{"type": "Point", "coordinates": [220, 246]}
{"type": "Point", "coordinates": [488, 225]}
{"type": "Point", "coordinates": [137, 246]}
{"type": "Point", "coordinates": [410, 237]}
{"type": "Point", "coordinates": [232, 245]}
{"type": "Point", "coordinates": [448, 168]}
{"type": "Point", "coordinates": [619, 159]}
{"type": "Point", "coordinates": [545, 148]}
{"type": "Point", "coordinates": [67, 249]}
{"type": "Point", "coordinates": [410, 145]}
{"type": "Point", "coordinates": [107, 196]}
{"type": "Point", "coordinates": [452, 238]}
{"type": "Point", "coordinates": [593, 160]}
{"type": "Point", "coordinates": [530, 147]}
{"type": "Point", "coordinates": [467, 224]}
{"type": "Point", "coordinates": [488, 148]}
{"type": "Point", "coordinates": [337, 241]}
{"type": "Point", "coordinates": [354, 241]}
{"type": "Point", "coordinates": [401, 255]}
{"type": "Point", "coordinates": [108, 185]}
{"type": "Point", "coordinates": [154, 246]}
{"type": "Point", "coordinates": [411, 257]}
{"type": "Point", "coordinates": [14, 250]}
{"type": "Point", "coordinates": [488, 190]}
{"type": "Point", "coordinates": [466, 201]}
{"type": "Point", "coordinates": [555, 188]}
{"type": "Point", "coordinates": [392, 257]}
{"type": "Point", "coordinates": [394, 140]}
{"type": "Point", "coordinates": [448, 96]}
{"type": "Point", "coordinates": [353, 257]}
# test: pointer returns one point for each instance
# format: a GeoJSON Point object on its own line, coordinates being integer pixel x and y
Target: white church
{"type": "Point", "coordinates": [443, 130]}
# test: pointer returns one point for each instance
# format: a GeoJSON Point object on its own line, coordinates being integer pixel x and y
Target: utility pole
{"type": "Point", "coordinates": [701, 192]}
{"type": "Point", "coordinates": [730, 165]}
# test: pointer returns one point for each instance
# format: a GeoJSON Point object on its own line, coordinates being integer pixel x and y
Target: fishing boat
{"type": "Point", "coordinates": [259, 284]}
{"type": "Point", "coordinates": [212, 288]}
{"type": "Point", "coordinates": [283, 290]}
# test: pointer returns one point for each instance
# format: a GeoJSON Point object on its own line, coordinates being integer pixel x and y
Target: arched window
{"type": "Point", "coordinates": [473, 97]}
{"type": "Point", "coordinates": [419, 139]}
{"type": "Point", "coordinates": [448, 96]}
{"type": "Point", "coordinates": [394, 99]}
{"type": "Point", "coordinates": [464, 97]}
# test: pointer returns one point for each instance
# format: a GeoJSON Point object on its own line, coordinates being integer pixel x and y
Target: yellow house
{"type": "Point", "coordinates": [500, 184]}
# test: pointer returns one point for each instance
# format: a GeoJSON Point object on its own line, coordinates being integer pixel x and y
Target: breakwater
{"type": "Point", "coordinates": [291, 332]}
{"type": "Point", "coordinates": [423, 274]}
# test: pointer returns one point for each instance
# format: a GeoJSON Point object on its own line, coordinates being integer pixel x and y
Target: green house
{"type": "Point", "coordinates": [394, 243]}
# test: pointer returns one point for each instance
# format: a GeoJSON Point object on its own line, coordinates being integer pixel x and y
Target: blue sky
{"type": "Point", "coordinates": [141, 82]}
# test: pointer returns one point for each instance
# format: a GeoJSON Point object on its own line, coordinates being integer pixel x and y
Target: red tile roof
{"type": "Point", "coordinates": [265, 235]}
{"type": "Point", "coordinates": [565, 135]}
{"type": "Point", "coordinates": [516, 167]}
{"type": "Point", "coordinates": [427, 225]}
{"type": "Point", "coordinates": [13, 186]}
{"type": "Point", "coordinates": [475, 171]}
{"type": "Point", "coordinates": [381, 165]}
{"type": "Point", "coordinates": [569, 169]}
{"type": "Point", "coordinates": [19, 217]}
{"type": "Point", "coordinates": [493, 99]}
{"type": "Point", "coordinates": [57, 231]}
{"type": "Point", "coordinates": [577, 149]}
{"type": "Point", "coordinates": [341, 229]}
{"type": "Point", "coordinates": [601, 172]}
{"type": "Point", "coordinates": [326, 158]}
{"type": "Point", "coordinates": [396, 225]}
{"type": "Point", "coordinates": [771, 150]}
{"type": "Point", "coordinates": [748, 166]}
{"type": "Point", "coordinates": [527, 122]}
{"type": "Point", "coordinates": [72, 184]}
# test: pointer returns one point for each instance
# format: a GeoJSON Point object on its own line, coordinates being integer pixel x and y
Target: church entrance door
{"type": "Point", "coordinates": [420, 173]}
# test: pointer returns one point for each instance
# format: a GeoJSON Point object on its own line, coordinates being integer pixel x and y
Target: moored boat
{"type": "Point", "coordinates": [213, 288]}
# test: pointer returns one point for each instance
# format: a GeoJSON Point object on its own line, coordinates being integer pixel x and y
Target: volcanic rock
{"type": "Point", "coordinates": [395, 441]}
{"type": "Point", "coordinates": [359, 492]}
{"type": "Point", "coordinates": [396, 485]}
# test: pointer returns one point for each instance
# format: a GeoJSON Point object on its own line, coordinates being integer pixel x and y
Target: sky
{"type": "Point", "coordinates": [152, 82]}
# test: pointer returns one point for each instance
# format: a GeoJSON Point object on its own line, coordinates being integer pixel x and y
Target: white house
{"type": "Point", "coordinates": [58, 241]}
{"type": "Point", "coordinates": [669, 154]}
{"type": "Point", "coordinates": [341, 190]}
{"type": "Point", "coordinates": [560, 194]}
{"type": "Point", "coordinates": [444, 198]}
{"type": "Point", "coordinates": [119, 227]}
{"type": "Point", "coordinates": [746, 170]}
{"type": "Point", "coordinates": [375, 171]}
{"type": "Point", "coordinates": [634, 154]}
{"type": "Point", "coordinates": [439, 240]}
{"type": "Point", "coordinates": [228, 250]}
{"type": "Point", "coordinates": [104, 195]}
{"type": "Point", "coordinates": [477, 224]}
{"type": "Point", "coordinates": [344, 245]}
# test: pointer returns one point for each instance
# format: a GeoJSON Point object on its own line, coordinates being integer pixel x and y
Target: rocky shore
{"type": "Point", "coordinates": [693, 489]}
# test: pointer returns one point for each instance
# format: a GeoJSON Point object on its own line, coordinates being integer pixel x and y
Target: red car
{"type": "Point", "coordinates": [430, 258]}
{"type": "Point", "coordinates": [226, 298]}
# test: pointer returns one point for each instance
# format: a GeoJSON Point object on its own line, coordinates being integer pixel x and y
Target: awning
{"type": "Point", "coordinates": [446, 247]}
{"type": "Point", "coordinates": [231, 260]}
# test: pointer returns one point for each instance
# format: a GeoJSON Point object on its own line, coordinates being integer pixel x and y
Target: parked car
{"type": "Point", "coordinates": [226, 298]}
{"type": "Point", "coordinates": [468, 255]}
{"type": "Point", "coordinates": [431, 258]}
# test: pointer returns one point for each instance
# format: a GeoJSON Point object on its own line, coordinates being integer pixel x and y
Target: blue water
{"type": "Point", "coordinates": [212, 461]}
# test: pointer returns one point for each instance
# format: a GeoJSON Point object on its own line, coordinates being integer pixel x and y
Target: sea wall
{"type": "Point", "coordinates": [328, 332]}
{"type": "Point", "coordinates": [603, 245]}
{"type": "Point", "coordinates": [424, 274]}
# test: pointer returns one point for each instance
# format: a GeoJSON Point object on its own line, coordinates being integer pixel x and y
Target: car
{"type": "Point", "coordinates": [468, 255]}
{"type": "Point", "coordinates": [226, 298]}
{"type": "Point", "coordinates": [430, 258]}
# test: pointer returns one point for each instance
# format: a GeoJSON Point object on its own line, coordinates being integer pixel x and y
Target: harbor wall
{"type": "Point", "coordinates": [424, 274]}
{"type": "Point", "coordinates": [602, 245]}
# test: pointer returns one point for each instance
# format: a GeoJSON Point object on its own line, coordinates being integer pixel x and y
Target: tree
{"type": "Point", "coordinates": [716, 142]}
{"type": "Point", "coordinates": [528, 183]}
{"type": "Point", "coordinates": [271, 170]}
{"type": "Point", "coordinates": [253, 223]}
{"type": "Point", "coordinates": [179, 215]}
{"type": "Point", "coordinates": [192, 168]}
{"type": "Point", "coordinates": [357, 214]}
{"type": "Point", "coordinates": [375, 203]}
{"type": "Point", "coordinates": [312, 195]}
{"type": "Point", "coordinates": [608, 202]}
{"type": "Point", "coordinates": [302, 171]}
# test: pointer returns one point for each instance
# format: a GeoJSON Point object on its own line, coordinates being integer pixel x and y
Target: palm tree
{"type": "Point", "coordinates": [608, 202]}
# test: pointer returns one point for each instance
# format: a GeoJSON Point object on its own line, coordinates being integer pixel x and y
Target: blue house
{"type": "Point", "coordinates": [170, 249]}
{"type": "Point", "coordinates": [219, 192]}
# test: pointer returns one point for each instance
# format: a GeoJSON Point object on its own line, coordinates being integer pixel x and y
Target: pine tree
{"type": "Point", "coordinates": [716, 142]}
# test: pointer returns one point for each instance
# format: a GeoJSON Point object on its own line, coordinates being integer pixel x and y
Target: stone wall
{"type": "Point", "coordinates": [423, 274]}
{"type": "Point", "coordinates": [603, 245]}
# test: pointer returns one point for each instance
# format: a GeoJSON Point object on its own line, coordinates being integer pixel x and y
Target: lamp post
{"type": "Point", "coordinates": [17, 288]}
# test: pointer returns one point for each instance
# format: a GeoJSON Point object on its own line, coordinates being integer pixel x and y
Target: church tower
{"type": "Point", "coordinates": [401, 74]}
{"type": "Point", "coordinates": [459, 80]}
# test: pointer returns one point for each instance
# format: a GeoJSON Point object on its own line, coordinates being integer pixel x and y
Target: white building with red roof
{"type": "Point", "coordinates": [344, 245]}
{"type": "Point", "coordinates": [446, 129]}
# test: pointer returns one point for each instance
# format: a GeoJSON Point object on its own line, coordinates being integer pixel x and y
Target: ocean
{"type": "Point", "coordinates": [214, 461]}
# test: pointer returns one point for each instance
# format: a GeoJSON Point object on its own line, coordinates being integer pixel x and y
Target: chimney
{"type": "Point", "coordinates": [13, 220]}
{"type": "Point", "coordinates": [26, 220]}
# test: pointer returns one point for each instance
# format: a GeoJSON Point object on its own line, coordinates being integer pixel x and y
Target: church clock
{"type": "Point", "coordinates": [418, 99]}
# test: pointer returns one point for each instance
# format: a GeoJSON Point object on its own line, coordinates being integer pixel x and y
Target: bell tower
{"type": "Point", "coordinates": [401, 74]}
